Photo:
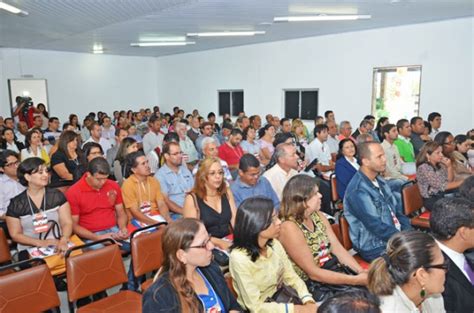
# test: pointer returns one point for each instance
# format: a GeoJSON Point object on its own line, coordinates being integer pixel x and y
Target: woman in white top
{"type": "Point", "coordinates": [410, 277]}
{"type": "Point", "coordinates": [34, 147]}
{"type": "Point", "coordinates": [249, 145]}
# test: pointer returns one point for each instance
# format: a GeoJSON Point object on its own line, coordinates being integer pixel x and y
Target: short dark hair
{"type": "Point", "coordinates": [203, 125]}
{"type": "Point", "coordinates": [227, 125]}
{"type": "Point", "coordinates": [360, 301]}
{"type": "Point", "coordinates": [401, 122]}
{"type": "Point", "coordinates": [99, 166]}
{"type": "Point", "coordinates": [281, 138]}
{"type": "Point", "coordinates": [369, 117]}
{"type": "Point", "coordinates": [432, 116]}
{"type": "Point", "coordinates": [319, 128]}
{"type": "Point", "coordinates": [171, 137]}
{"type": "Point", "coordinates": [414, 119]}
{"type": "Point", "coordinates": [5, 154]}
{"type": "Point", "coordinates": [466, 190]}
{"type": "Point", "coordinates": [283, 120]}
{"type": "Point", "coordinates": [211, 114]}
{"type": "Point", "coordinates": [118, 130]}
{"type": "Point", "coordinates": [52, 119]}
{"type": "Point", "coordinates": [326, 114]}
{"type": "Point", "coordinates": [253, 216]}
{"type": "Point", "coordinates": [341, 145]}
{"type": "Point", "coordinates": [28, 166]}
{"type": "Point", "coordinates": [246, 131]}
{"type": "Point", "coordinates": [153, 119]}
{"type": "Point", "coordinates": [167, 146]}
{"type": "Point", "coordinates": [248, 160]}
{"type": "Point", "coordinates": [88, 147]}
{"type": "Point", "coordinates": [131, 162]}
{"type": "Point", "coordinates": [450, 214]}
{"type": "Point", "coordinates": [235, 132]}
{"type": "Point", "coordinates": [386, 129]}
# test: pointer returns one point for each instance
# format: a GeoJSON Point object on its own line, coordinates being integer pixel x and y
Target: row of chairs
{"type": "Point", "coordinates": [89, 273]}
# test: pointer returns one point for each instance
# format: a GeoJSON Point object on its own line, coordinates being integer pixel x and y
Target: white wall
{"type": "Point", "coordinates": [339, 65]}
{"type": "Point", "coordinates": [80, 83]}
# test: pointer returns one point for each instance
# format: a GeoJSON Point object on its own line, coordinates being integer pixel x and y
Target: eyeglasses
{"type": "Point", "coordinates": [204, 245]}
{"type": "Point", "coordinates": [449, 143]}
{"type": "Point", "coordinates": [443, 266]}
{"type": "Point", "coordinates": [16, 163]}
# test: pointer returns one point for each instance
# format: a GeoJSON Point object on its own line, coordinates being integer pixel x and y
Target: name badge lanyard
{"type": "Point", "coordinates": [148, 209]}
{"type": "Point", "coordinates": [40, 220]}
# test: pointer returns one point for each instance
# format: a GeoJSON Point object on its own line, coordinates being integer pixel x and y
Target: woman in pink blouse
{"type": "Point", "coordinates": [434, 173]}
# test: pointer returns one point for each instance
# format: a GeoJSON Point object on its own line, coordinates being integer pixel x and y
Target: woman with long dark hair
{"type": "Point", "coordinates": [43, 114]}
{"type": "Point", "coordinates": [127, 146]}
{"type": "Point", "coordinates": [66, 160]}
{"type": "Point", "coordinates": [188, 282]}
{"type": "Point", "coordinates": [410, 276]}
{"type": "Point", "coordinates": [9, 141]}
{"type": "Point", "coordinates": [74, 122]}
{"type": "Point", "coordinates": [378, 129]}
{"type": "Point", "coordinates": [259, 265]}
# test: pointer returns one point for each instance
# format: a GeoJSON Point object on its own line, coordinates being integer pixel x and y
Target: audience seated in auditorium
{"type": "Point", "coordinates": [417, 129]}
{"type": "Point", "coordinates": [250, 183]}
{"type": "Point", "coordinates": [212, 202]}
{"type": "Point", "coordinates": [308, 238]}
{"type": "Point", "coordinates": [393, 169]}
{"type": "Point", "coordinates": [286, 167]}
{"type": "Point", "coordinates": [34, 148]}
{"type": "Point", "coordinates": [410, 276]}
{"type": "Point", "coordinates": [154, 137]}
{"type": "Point", "coordinates": [189, 152]}
{"type": "Point", "coordinates": [353, 301]}
{"type": "Point", "coordinates": [188, 281]}
{"type": "Point", "coordinates": [435, 174]}
{"type": "Point", "coordinates": [127, 146]}
{"type": "Point", "coordinates": [452, 224]}
{"type": "Point", "coordinates": [319, 149]}
{"type": "Point", "coordinates": [405, 147]}
{"type": "Point", "coordinates": [66, 161]}
{"type": "Point", "coordinates": [346, 165]}
{"type": "Point", "coordinates": [29, 212]}
{"type": "Point", "coordinates": [258, 263]}
{"type": "Point", "coordinates": [9, 141]}
{"type": "Point", "coordinates": [373, 211]}
{"type": "Point", "coordinates": [434, 118]}
{"type": "Point", "coordinates": [97, 208]}
{"type": "Point", "coordinates": [175, 179]}
{"type": "Point", "coordinates": [142, 196]}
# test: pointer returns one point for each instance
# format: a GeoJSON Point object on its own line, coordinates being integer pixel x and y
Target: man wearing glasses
{"type": "Point", "coordinates": [9, 162]}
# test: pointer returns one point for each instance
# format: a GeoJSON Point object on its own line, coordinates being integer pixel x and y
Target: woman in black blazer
{"type": "Point", "coordinates": [9, 142]}
{"type": "Point", "coordinates": [346, 165]}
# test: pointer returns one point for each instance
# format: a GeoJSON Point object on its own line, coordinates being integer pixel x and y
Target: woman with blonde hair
{"type": "Point", "coordinates": [188, 282]}
{"type": "Point", "coordinates": [410, 276]}
{"type": "Point", "coordinates": [212, 202]}
{"type": "Point", "coordinates": [317, 256]}
{"type": "Point", "coordinates": [297, 129]}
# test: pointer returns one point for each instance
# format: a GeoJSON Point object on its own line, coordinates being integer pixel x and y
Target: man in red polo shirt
{"type": "Point", "coordinates": [231, 151]}
{"type": "Point", "coordinates": [97, 208]}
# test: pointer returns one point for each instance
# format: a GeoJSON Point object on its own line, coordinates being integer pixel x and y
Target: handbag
{"type": "Point", "coordinates": [285, 294]}
{"type": "Point", "coordinates": [322, 291]}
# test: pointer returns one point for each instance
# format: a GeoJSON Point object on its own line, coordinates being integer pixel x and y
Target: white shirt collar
{"type": "Point", "coordinates": [457, 258]}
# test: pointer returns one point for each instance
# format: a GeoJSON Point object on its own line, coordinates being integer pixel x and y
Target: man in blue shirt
{"type": "Point", "coordinates": [250, 183]}
{"type": "Point", "coordinates": [373, 211]}
{"type": "Point", "coordinates": [175, 178]}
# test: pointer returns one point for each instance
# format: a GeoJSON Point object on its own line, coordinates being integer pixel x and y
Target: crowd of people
{"type": "Point", "coordinates": [253, 199]}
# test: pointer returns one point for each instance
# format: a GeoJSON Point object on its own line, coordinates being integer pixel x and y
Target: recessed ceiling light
{"type": "Point", "coordinates": [226, 34]}
{"type": "Point", "coordinates": [321, 17]}
{"type": "Point", "coordinates": [12, 9]}
{"type": "Point", "coordinates": [162, 44]}
{"type": "Point", "coordinates": [160, 39]}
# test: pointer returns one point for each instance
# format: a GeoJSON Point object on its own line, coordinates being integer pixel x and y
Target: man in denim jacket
{"type": "Point", "coordinates": [373, 211]}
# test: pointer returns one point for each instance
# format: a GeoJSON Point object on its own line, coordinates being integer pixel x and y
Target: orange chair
{"type": "Point", "coordinates": [28, 290]}
{"type": "Point", "coordinates": [347, 243]}
{"type": "Point", "coordinates": [228, 280]}
{"type": "Point", "coordinates": [336, 202]}
{"type": "Point", "coordinates": [147, 255]}
{"type": "Point", "coordinates": [5, 255]}
{"type": "Point", "coordinates": [413, 205]}
{"type": "Point", "coordinates": [95, 271]}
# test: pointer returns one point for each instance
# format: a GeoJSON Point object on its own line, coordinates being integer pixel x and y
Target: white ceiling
{"type": "Point", "coordinates": [76, 25]}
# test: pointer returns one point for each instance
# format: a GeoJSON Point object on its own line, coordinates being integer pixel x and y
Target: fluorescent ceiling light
{"type": "Point", "coordinates": [162, 44]}
{"type": "Point", "coordinates": [161, 39]}
{"type": "Point", "coordinates": [97, 51]}
{"type": "Point", "coordinates": [322, 17]}
{"type": "Point", "coordinates": [225, 34]}
{"type": "Point", "coordinates": [12, 9]}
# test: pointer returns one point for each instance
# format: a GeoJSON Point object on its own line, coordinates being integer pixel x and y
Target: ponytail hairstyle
{"type": "Point", "coordinates": [179, 235]}
{"type": "Point", "coordinates": [406, 252]}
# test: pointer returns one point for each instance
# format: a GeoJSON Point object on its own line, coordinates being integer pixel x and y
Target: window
{"type": "Point", "coordinates": [231, 102]}
{"type": "Point", "coordinates": [301, 104]}
{"type": "Point", "coordinates": [396, 92]}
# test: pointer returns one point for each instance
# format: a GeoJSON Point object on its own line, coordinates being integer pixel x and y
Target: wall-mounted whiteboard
{"type": "Point", "coordinates": [37, 89]}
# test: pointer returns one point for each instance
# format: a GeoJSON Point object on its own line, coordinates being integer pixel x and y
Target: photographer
{"type": "Point", "coordinates": [25, 110]}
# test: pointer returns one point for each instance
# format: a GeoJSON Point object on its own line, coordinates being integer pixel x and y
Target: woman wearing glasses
{"type": "Point", "coordinates": [188, 281]}
{"type": "Point", "coordinates": [259, 265]}
{"type": "Point", "coordinates": [29, 213]}
{"type": "Point", "coordinates": [410, 276]}
{"type": "Point", "coordinates": [434, 173]}
{"type": "Point", "coordinates": [212, 202]}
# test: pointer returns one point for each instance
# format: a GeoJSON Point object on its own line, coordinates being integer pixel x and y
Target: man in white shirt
{"type": "Point", "coordinates": [452, 224]}
{"type": "Point", "coordinates": [319, 149]}
{"type": "Point", "coordinates": [154, 138]}
{"type": "Point", "coordinates": [394, 161]}
{"type": "Point", "coordinates": [285, 168]}
{"type": "Point", "coordinates": [96, 136]}
{"type": "Point", "coordinates": [22, 131]}
{"type": "Point", "coordinates": [333, 141]}
{"type": "Point", "coordinates": [108, 131]}
{"type": "Point", "coordinates": [435, 120]}
{"type": "Point", "coordinates": [190, 154]}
